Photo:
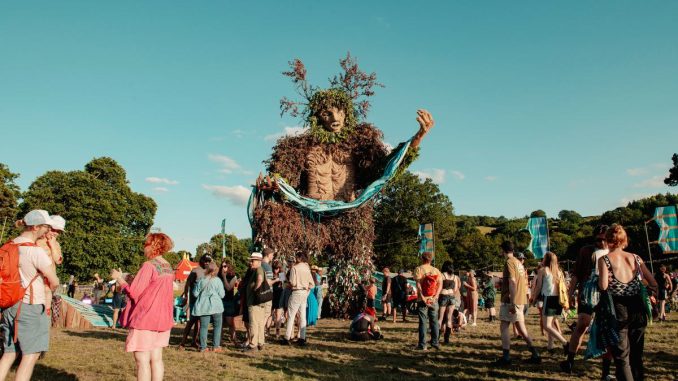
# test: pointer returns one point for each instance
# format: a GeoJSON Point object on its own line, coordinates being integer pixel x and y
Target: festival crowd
{"type": "Point", "coordinates": [612, 291]}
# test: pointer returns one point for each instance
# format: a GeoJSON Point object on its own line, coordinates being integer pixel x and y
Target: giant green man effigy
{"type": "Point", "coordinates": [320, 191]}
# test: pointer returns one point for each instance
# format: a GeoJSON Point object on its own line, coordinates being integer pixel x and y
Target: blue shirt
{"type": "Point", "coordinates": [208, 293]}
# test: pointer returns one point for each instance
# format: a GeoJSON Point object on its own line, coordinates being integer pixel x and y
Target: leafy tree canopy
{"type": "Point", "coordinates": [9, 196]}
{"type": "Point", "coordinates": [106, 220]}
{"type": "Point", "coordinates": [672, 180]}
{"type": "Point", "coordinates": [406, 203]}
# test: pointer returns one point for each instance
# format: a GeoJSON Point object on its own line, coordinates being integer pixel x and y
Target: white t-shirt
{"type": "Point", "coordinates": [33, 260]}
{"type": "Point", "coordinates": [597, 255]}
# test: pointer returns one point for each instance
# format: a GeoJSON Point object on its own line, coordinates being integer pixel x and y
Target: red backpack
{"type": "Point", "coordinates": [11, 290]}
{"type": "Point", "coordinates": [429, 285]}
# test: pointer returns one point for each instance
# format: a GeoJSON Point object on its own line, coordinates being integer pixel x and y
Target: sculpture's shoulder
{"type": "Point", "coordinates": [367, 144]}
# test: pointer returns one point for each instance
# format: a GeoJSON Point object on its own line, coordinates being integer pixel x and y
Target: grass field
{"type": "Point", "coordinates": [99, 355]}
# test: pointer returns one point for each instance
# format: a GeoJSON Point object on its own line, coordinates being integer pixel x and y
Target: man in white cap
{"type": "Point", "coordinates": [257, 312]}
{"type": "Point", "coordinates": [27, 318]}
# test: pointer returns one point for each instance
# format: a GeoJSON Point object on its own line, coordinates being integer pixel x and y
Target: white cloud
{"type": "Point", "coordinates": [237, 195]}
{"type": "Point", "coordinates": [490, 178]}
{"type": "Point", "coordinates": [238, 133]}
{"type": "Point", "coordinates": [458, 174]}
{"type": "Point", "coordinates": [161, 189]}
{"type": "Point", "coordinates": [636, 171]}
{"type": "Point", "coordinates": [652, 182]}
{"type": "Point", "coordinates": [287, 131]}
{"type": "Point", "coordinates": [161, 180]}
{"type": "Point", "coordinates": [228, 165]}
{"type": "Point", "coordinates": [436, 175]}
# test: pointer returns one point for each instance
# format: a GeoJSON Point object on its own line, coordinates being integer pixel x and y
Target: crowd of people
{"type": "Point", "coordinates": [610, 288]}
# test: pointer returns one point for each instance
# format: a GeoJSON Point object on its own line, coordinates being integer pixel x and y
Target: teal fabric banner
{"type": "Point", "coordinates": [667, 220]}
{"type": "Point", "coordinates": [538, 228]}
{"type": "Point", "coordinates": [332, 207]}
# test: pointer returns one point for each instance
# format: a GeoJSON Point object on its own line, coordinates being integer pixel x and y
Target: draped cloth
{"type": "Point", "coordinates": [312, 206]}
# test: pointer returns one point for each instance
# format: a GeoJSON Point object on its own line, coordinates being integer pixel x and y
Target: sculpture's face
{"type": "Point", "coordinates": [332, 119]}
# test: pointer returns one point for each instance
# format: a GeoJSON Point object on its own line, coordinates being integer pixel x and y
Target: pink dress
{"type": "Point", "coordinates": [149, 313]}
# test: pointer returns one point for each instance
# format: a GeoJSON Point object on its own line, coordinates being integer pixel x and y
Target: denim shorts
{"type": "Point", "coordinates": [446, 300]}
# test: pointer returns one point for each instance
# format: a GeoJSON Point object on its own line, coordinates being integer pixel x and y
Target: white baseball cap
{"type": "Point", "coordinates": [256, 256]}
{"type": "Point", "coordinates": [37, 217]}
{"type": "Point", "coordinates": [58, 223]}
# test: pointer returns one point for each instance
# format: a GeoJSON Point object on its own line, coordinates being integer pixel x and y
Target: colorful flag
{"type": "Point", "coordinates": [538, 228]}
{"type": "Point", "coordinates": [665, 217]}
{"type": "Point", "coordinates": [223, 226]}
{"type": "Point", "coordinates": [426, 238]}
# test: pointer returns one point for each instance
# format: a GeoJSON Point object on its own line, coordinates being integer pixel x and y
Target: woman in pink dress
{"type": "Point", "coordinates": [149, 312]}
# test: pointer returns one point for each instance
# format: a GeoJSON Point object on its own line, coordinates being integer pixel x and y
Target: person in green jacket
{"type": "Point", "coordinates": [208, 293]}
{"type": "Point", "coordinates": [489, 292]}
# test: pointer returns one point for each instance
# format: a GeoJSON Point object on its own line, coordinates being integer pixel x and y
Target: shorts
{"type": "Point", "coordinates": [662, 294]}
{"type": "Point", "coordinates": [489, 303]}
{"type": "Point", "coordinates": [141, 340]}
{"type": "Point", "coordinates": [387, 300]}
{"type": "Point", "coordinates": [584, 309]}
{"type": "Point", "coordinates": [33, 329]}
{"type": "Point", "coordinates": [445, 300]}
{"type": "Point", "coordinates": [117, 301]}
{"type": "Point", "coordinates": [231, 308]}
{"type": "Point", "coordinates": [399, 303]}
{"type": "Point", "coordinates": [506, 315]}
{"type": "Point", "coordinates": [552, 306]}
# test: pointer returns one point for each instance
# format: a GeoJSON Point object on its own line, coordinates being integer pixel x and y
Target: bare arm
{"type": "Point", "coordinates": [537, 286]}
{"type": "Point", "coordinates": [426, 122]}
{"type": "Point", "coordinates": [647, 275]}
{"type": "Point", "coordinates": [50, 273]}
{"type": "Point", "coordinates": [603, 278]}
{"type": "Point", "coordinates": [573, 285]}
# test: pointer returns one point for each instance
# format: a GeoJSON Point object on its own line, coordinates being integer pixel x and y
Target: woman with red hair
{"type": "Point", "coordinates": [149, 313]}
{"type": "Point", "coordinates": [622, 274]}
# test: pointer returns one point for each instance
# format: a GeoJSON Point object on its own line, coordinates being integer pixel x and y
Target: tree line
{"type": "Point", "coordinates": [107, 222]}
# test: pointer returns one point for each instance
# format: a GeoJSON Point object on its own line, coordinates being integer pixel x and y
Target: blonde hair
{"type": "Point", "coordinates": [616, 237]}
{"type": "Point", "coordinates": [551, 261]}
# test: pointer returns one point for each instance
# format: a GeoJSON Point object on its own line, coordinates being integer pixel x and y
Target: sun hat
{"type": "Point", "coordinates": [256, 256]}
{"type": "Point", "coordinates": [58, 223]}
{"type": "Point", "coordinates": [37, 217]}
{"type": "Point", "coordinates": [520, 255]}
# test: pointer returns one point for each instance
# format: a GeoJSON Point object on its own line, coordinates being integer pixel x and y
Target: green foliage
{"type": "Point", "coordinates": [106, 220]}
{"type": "Point", "coordinates": [404, 204]}
{"type": "Point", "coordinates": [9, 195]}
{"type": "Point", "coordinates": [237, 250]}
{"type": "Point", "coordinates": [471, 249]}
{"type": "Point", "coordinates": [672, 179]}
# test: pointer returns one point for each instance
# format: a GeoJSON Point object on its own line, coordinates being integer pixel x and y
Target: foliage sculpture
{"type": "Point", "coordinates": [335, 159]}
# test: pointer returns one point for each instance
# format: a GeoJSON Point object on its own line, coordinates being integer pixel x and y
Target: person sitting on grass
{"type": "Point", "coordinates": [459, 321]}
{"type": "Point", "coordinates": [364, 328]}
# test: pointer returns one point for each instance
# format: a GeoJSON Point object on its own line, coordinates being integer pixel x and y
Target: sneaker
{"type": "Point", "coordinates": [285, 342]}
{"type": "Point", "coordinates": [217, 350]}
{"type": "Point", "coordinates": [533, 360]}
{"type": "Point", "coordinates": [566, 366]}
{"type": "Point", "coordinates": [502, 362]}
{"type": "Point", "coordinates": [260, 347]}
{"type": "Point", "coordinates": [420, 348]}
{"type": "Point", "coordinates": [301, 342]}
{"type": "Point", "coordinates": [436, 347]}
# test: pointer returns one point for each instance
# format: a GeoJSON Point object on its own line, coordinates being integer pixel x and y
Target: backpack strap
{"type": "Point", "coordinates": [640, 272]}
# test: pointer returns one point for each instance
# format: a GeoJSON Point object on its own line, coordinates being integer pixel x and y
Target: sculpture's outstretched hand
{"type": "Point", "coordinates": [426, 122]}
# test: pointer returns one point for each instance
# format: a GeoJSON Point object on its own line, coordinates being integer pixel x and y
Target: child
{"type": "Point", "coordinates": [458, 320]}
{"type": "Point", "coordinates": [50, 244]}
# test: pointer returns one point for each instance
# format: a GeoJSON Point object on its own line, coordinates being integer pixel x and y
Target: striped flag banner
{"type": "Point", "coordinates": [667, 220]}
{"type": "Point", "coordinates": [538, 228]}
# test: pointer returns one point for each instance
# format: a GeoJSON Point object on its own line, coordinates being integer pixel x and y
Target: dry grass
{"type": "Point", "coordinates": [99, 355]}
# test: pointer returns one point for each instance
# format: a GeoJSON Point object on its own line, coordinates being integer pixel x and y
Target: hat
{"type": "Point", "coordinates": [58, 223]}
{"type": "Point", "coordinates": [205, 258]}
{"type": "Point", "coordinates": [314, 267]}
{"type": "Point", "coordinates": [256, 256]}
{"type": "Point", "coordinates": [401, 271]}
{"type": "Point", "coordinates": [37, 217]}
{"type": "Point", "coordinates": [520, 255]}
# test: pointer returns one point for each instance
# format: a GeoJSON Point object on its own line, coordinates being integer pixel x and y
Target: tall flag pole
{"type": "Point", "coordinates": [539, 232]}
{"type": "Point", "coordinates": [223, 239]}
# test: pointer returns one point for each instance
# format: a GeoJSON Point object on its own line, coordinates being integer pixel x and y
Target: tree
{"type": "Point", "coordinates": [672, 179]}
{"type": "Point", "coordinates": [238, 247]}
{"type": "Point", "coordinates": [106, 220]}
{"type": "Point", "coordinates": [9, 195]}
{"type": "Point", "coordinates": [473, 250]}
{"type": "Point", "coordinates": [404, 204]}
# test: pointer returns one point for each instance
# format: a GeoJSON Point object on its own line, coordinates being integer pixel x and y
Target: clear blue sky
{"type": "Point", "coordinates": [539, 105]}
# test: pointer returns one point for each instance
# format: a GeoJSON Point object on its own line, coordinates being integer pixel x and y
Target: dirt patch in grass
{"type": "Point", "coordinates": [99, 355]}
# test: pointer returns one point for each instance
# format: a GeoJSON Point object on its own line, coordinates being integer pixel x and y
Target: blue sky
{"type": "Point", "coordinates": [539, 105]}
